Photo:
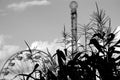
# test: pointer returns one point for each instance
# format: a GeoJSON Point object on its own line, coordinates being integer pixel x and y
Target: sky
{"type": "Point", "coordinates": [41, 22]}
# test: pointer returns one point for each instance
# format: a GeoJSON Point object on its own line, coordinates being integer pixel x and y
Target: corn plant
{"type": "Point", "coordinates": [97, 63]}
{"type": "Point", "coordinates": [99, 59]}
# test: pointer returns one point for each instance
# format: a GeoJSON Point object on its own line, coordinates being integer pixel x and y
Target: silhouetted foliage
{"type": "Point", "coordinates": [100, 62]}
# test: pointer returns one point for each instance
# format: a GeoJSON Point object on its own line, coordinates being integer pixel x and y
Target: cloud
{"type": "Point", "coordinates": [24, 5]}
{"type": "Point", "coordinates": [6, 50]}
{"type": "Point", "coordinates": [43, 45]}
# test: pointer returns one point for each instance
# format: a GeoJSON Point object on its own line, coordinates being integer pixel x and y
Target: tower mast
{"type": "Point", "coordinates": [73, 7]}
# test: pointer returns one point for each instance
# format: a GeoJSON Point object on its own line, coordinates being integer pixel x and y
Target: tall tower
{"type": "Point", "coordinates": [73, 7]}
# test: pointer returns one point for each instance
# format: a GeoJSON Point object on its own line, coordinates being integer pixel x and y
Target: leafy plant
{"type": "Point", "coordinates": [99, 59]}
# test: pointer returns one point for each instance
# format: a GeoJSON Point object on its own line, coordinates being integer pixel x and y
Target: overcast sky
{"type": "Point", "coordinates": [33, 20]}
{"type": "Point", "coordinates": [43, 20]}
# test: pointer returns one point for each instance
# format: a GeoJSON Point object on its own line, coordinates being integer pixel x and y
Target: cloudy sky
{"type": "Point", "coordinates": [42, 21]}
